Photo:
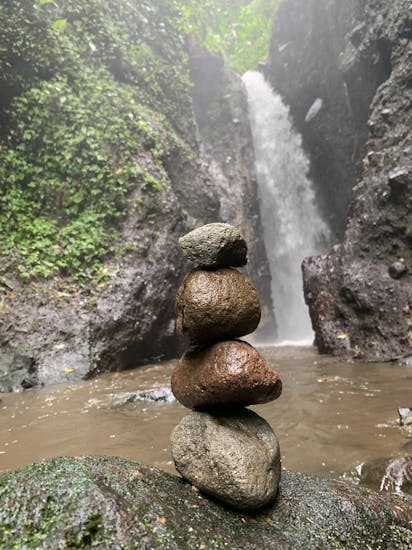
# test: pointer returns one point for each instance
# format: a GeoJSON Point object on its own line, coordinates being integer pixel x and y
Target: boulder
{"type": "Point", "coordinates": [388, 474]}
{"type": "Point", "coordinates": [233, 457]}
{"type": "Point", "coordinates": [227, 373]}
{"type": "Point", "coordinates": [215, 245]}
{"type": "Point", "coordinates": [216, 305]}
{"type": "Point", "coordinates": [106, 502]}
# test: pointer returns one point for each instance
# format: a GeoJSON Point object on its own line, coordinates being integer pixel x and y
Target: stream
{"type": "Point", "coordinates": [332, 415]}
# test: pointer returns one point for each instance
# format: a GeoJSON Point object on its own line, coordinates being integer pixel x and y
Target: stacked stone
{"type": "Point", "coordinates": [222, 448]}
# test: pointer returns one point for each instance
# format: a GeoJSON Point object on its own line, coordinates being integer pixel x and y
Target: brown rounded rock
{"type": "Point", "coordinates": [216, 305]}
{"type": "Point", "coordinates": [228, 373]}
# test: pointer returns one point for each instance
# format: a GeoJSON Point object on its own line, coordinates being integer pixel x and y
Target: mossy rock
{"type": "Point", "coordinates": [105, 502]}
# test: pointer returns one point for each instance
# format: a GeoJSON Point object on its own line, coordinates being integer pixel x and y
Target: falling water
{"type": "Point", "coordinates": [292, 226]}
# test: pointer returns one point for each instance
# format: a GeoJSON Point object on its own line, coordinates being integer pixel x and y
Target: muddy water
{"type": "Point", "coordinates": [331, 416]}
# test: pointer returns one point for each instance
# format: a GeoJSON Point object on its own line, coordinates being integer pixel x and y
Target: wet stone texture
{"type": "Point", "coordinates": [215, 245]}
{"type": "Point", "coordinates": [233, 457]}
{"type": "Point", "coordinates": [17, 372]}
{"type": "Point", "coordinates": [216, 305]}
{"type": "Point", "coordinates": [227, 373]}
{"type": "Point", "coordinates": [112, 503]}
{"type": "Point", "coordinates": [388, 474]}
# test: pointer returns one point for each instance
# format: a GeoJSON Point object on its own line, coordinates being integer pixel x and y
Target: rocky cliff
{"type": "Point", "coordinates": [102, 171]}
{"type": "Point", "coordinates": [356, 57]}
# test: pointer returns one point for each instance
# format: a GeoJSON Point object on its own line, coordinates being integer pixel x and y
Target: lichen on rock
{"type": "Point", "coordinates": [114, 503]}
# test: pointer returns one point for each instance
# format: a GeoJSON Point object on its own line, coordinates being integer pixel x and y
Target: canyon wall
{"type": "Point", "coordinates": [130, 145]}
{"type": "Point", "coordinates": [356, 57]}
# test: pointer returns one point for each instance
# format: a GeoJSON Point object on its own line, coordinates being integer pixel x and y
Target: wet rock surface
{"type": "Point", "coordinates": [215, 245]}
{"type": "Point", "coordinates": [233, 457]}
{"type": "Point", "coordinates": [359, 63]}
{"type": "Point", "coordinates": [216, 305]}
{"type": "Point", "coordinates": [226, 374]}
{"type": "Point", "coordinates": [155, 395]}
{"type": "Point", "coordinates": [356, 308]}
{"type": "Point", "coordinates": [114, 503]}
{"type": "Point", "coordinates": [17, 373]}
{"type": "Point", "coordinates": [397, 270]}
{"type": "Point", "coordinates": [388, 474]}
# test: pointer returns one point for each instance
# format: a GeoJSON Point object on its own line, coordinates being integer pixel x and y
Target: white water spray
{"type": "Point", "coordinates": [292, 226]}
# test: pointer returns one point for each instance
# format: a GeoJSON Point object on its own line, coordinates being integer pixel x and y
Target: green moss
{"type": "Point", "coordinates": [113, 503]}
{"type": "Point", "coordinates": [239, 31]}
{"type": "Point", "coordinates": [90, 110]}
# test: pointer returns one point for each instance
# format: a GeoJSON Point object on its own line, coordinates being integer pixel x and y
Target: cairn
{"type": "Point", "coordinates": [222, 448]}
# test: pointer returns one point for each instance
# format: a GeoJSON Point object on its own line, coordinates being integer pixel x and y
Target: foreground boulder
{"type": "Point", "coordinates": [113, 503]}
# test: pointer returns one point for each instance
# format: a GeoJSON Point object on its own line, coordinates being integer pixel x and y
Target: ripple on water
{"type": "Point", "coordinates": [331, 417]}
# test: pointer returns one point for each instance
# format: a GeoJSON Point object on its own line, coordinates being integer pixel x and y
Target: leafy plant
{"type": "Point", "coordinates": [88, 89]}
{"type": "Point", "coordinates": [92, 97]}
{"type": "Point", "coordinates": [241, 33]}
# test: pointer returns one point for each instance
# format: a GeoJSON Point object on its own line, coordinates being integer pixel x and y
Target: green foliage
{"type": "Point", "coordinates": [92, 97]}
{"type": "Point", "coordinates": [241, 33]}
{"type": "Point", "coordinates": [252, 34]}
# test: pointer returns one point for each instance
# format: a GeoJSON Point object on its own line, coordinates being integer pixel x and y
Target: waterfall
{"type": "Point", "coordinates": [292, 225]}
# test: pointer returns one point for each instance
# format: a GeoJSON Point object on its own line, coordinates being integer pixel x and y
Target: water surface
{"type": "Point", "coordinates": [332, 415]}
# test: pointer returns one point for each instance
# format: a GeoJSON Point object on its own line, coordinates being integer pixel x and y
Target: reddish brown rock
{"type": "Point", "coordinates": [227, 373]}
{"type": "Point", "coordinates": [216, 305]}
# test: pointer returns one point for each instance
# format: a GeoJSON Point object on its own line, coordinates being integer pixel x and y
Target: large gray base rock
{"type": "Point", "coordinates": [235, 458]}
{"type": "Point", "coordinates": [111, 503]}
{"type": "Point", "coordinates": [215, 245]}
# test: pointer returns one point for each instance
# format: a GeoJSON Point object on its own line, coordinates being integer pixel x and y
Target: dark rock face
{"type": "Point", "coordinates": [216, 305]}
{"type": "Point", "coordinates": [227, 373]}
{"type": "Point", "coordinates": [355, 305]}
{"type": "Point", "coordinates": [17, 372]}
{"type": "Point", "coordinates": [318, 52]}
{"type": "Point", "coordinates": [114, 503]}
{"type": "Point", "coordinates": [233, 457]}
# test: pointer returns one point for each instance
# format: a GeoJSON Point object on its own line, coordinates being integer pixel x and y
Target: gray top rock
{"type": "Point", "coordinates": [215, 245]}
